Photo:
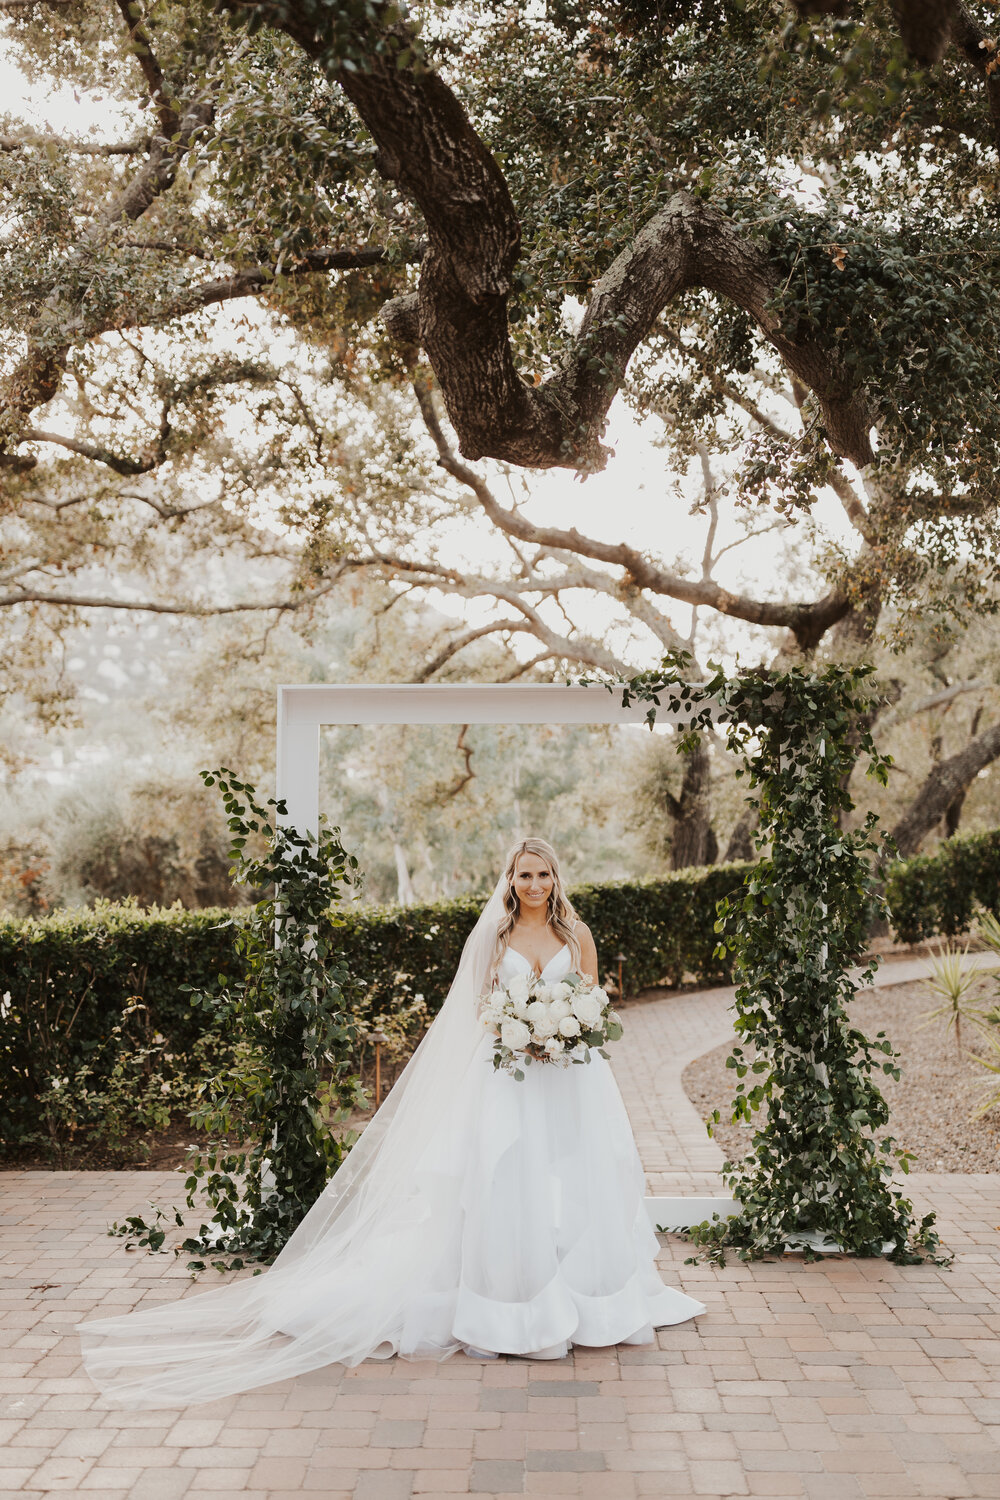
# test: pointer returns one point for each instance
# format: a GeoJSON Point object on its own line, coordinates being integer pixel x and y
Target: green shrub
{"type": "Point", "coordinates": [665, 928]}
{"type": "Point", "coordinates": [938, 895]}
{"type": "Point", "coordinates": [66, 980]}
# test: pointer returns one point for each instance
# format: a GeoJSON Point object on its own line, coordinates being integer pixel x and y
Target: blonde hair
{"type": "Point", "coordinates": [561, 916]}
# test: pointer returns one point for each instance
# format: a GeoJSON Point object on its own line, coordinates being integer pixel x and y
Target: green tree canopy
{"type": "Point", "coordinates": [333, 263]}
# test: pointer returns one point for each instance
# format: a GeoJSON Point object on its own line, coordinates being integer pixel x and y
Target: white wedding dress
{"type": "Point", "coordinates": [476, 1210]}
{"type": "Point", "coordinates": [555, 1246]}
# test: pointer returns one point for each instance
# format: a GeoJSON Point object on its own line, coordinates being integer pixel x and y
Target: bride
{"type": "Point", "coordinates": [477, 1212]}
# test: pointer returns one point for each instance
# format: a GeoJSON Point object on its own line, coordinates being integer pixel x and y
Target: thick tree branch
{"type": "Point", "coordinates": [808, 622]}
{"type": "Point", "coordinates": [946, 782]}
{"type": "Point", "coordinates": [119, 463]}
{"type": "Point", "coordinates": [142, 49]}
{"type": "Point", "coordinates": [428, 147]}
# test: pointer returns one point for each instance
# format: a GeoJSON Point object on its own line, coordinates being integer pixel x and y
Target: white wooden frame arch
{"type": "Point", "coordinates": [304, 709]}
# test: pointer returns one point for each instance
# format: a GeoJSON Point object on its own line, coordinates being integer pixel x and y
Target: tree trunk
{"type": "Point", "coordinates": [427, 147]}
{"type": "Point", "coordinates": [953, 813]}
{"type": "Point", "coordinates": [404, 885]}
{"type": "Point", "coordinates": [693, 840]}
{"type": "Point", "coordinates": [948, 781]}
{"type": "Point", "coordinates": [740, 844]}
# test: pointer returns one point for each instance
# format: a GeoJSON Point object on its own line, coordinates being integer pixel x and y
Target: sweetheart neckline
{"type": "Point", "coordinates": [537, 972]}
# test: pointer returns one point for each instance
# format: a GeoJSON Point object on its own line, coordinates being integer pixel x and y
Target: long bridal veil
{"type": "Point", "coordinates": [364, 1269]}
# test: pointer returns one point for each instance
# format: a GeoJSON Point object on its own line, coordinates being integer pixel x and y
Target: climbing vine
{"type": "Point", "coordinates": [821, 1162]}
{"type": "Point", "coordinates": [270, 1149]}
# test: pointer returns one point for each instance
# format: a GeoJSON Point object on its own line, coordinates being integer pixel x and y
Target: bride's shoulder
{"type": "Point", "coordinates": [580, 929]}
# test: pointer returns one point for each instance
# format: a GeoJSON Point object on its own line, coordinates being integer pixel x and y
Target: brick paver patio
{"type": "Point", "coordinates": [834, 1381]}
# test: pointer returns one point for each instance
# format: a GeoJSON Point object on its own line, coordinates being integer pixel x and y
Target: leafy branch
{"type": "Point", "coordinates": [820, 1163]}
{"type": "Point", "coordinates": [268, 1116]}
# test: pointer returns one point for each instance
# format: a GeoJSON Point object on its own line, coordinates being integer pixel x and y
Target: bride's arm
{"type": "Point", "coordinates": [588, 953]}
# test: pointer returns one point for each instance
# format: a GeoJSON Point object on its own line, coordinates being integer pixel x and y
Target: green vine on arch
{"type": "Point", "coordinates": [270, 1149]}
{"type": "Point", "coordinates": [821, 1162]}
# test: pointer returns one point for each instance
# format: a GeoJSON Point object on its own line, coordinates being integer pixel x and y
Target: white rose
{"type": "Point", "coordinates": [558, 1009]}
{"type": "Point", "coordinates": [489, 1017]}
{"type": "Point", "coordinates": [561, 991]}
{"type": "Point", "coordinates": [545, 1027]}
{"type": "Point", "coordinates": [569, 1026]}
{"type": "Point", "coordinates": [518, 987]}
{"type": "Point", "coordinates": [514, 1034]}
{"type": "Point", "coordinates": [587, 1009]}
{"type": "Point", "coordinates": [553, 1046]}
{"type": "Point", "coordinates": [535, 1010]}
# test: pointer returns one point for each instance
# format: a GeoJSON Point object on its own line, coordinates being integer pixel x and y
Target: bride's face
{"type": "Point", "coordinates": [532, 881]}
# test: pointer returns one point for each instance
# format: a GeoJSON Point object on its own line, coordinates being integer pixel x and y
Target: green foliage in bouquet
{"type": "Point", "coordinates": [534, 1046]}
{"type": "Point", "coordinates": [268, 1116]}
{"type": "Point", "coordinates": [821, 1162]}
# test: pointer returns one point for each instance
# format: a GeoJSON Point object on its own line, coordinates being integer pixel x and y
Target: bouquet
{"type": "Point", "coordinates": [537, 1022]}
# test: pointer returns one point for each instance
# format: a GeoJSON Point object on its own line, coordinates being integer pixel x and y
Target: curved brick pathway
{"type": "Point", "coordinates": [835, 1381]}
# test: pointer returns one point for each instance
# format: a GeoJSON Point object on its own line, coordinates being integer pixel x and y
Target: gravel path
{"type": "Point", "coordinates": [930, 1104]}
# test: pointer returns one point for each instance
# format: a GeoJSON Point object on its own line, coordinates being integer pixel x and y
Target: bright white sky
{"type": "Point", "coordinates": [635, 500]}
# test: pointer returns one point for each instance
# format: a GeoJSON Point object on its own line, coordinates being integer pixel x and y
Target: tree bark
{"type": "Point", "coordinates": [740, 844]}
{"type": "Point", "coordinates": [953, 812]}
{"type": "Point", "coordinates": [948, 780]}
{"type": "Point", "coordinates": [427, 146]}
{"type": "Point", "coordinates": [693, 840]}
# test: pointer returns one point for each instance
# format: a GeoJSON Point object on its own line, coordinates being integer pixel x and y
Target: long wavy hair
{"type": "Point", "coordinates": [561, 916]}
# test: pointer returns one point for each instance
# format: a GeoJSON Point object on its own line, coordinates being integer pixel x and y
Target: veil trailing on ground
{"type": "Point", "coordinates": [365, 1269]}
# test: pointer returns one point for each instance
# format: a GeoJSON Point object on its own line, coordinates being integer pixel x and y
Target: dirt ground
{"type": "Point", "coordinates": [930, 1105]}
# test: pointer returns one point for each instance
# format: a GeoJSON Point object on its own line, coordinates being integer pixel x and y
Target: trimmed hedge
{"type": "Point", "coordinates": [937, 895]}
{"type": "Point", "coordinates": [65, 980]}
{"type": "Point", "coordinates": [665, 927]}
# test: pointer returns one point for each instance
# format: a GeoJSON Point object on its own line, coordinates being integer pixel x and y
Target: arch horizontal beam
{"type": "Point", "coordinates": [304, 708]}
{"type": "Point", "coordinates": [457, 703]}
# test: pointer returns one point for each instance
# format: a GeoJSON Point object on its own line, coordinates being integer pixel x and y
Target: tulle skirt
{"type": "Point", "coordinates": [522, 1229]}
{"type": "Point", "coordinates": [552, 1242]}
